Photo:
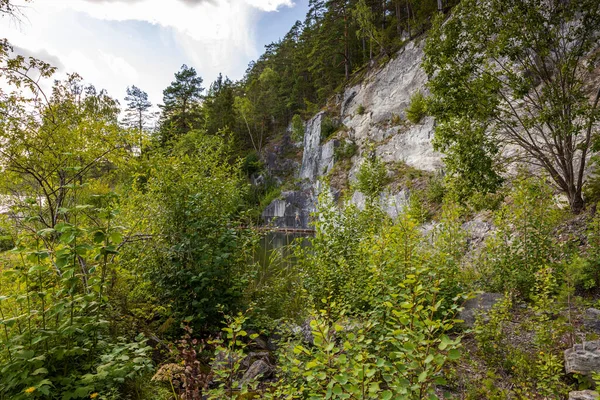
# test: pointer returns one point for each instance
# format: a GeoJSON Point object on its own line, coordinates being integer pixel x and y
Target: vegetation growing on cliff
{"type": "Point", "coordinates": [128, 258]}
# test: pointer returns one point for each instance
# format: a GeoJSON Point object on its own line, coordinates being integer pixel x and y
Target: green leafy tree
{"type": "Point", "coordinates": [496, 85]}
{"type": "Point", "coordinates": [363, 14]}
{"type": "Point", "coordinates": [194, 256]}
{"type": "Point", "coordinates": [52, 142]}
{"type": "Point", "coordinates": [180, 111]}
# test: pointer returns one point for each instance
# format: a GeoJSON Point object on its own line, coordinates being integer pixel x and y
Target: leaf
{"type": "Point", "coordinates": [454, 354]}
{"type": "Point", "coordinates": [387, 395]}
{"type": "Point", "coordinates": [40, 371]}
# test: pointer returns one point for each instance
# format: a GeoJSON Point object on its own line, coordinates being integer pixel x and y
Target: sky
{"type": "Point", "coordinates": [113, 44]}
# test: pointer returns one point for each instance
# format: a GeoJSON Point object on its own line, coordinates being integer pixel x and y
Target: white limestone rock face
{"type": "Point", "coordinates": [392, 203]}
{"type": "Point", "coordinates": [317, 159]}
{"type": "Point", "coordinates": [386, 93]}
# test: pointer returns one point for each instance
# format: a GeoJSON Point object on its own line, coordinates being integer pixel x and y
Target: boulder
{"type": "Point", "coordinates": [259, 368]}
{"type": "Point", "coordinates": [304, 331]}
{"type": "Point", "coordinates": [254, 356]}
{"type": "Point", "coordinates": [482, 303]}
{"type": "Point", "coordinates": [583, 358]}
{"type": "Point", "coordinates": [591, 319]}
{"type": "Point", "coordinates": [583, 395]}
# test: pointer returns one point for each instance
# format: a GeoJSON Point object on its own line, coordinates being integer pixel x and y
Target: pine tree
{"type": "Point", "coordinates": [181, 108]}
{"type": "Point", "coordinates": [138, 106]}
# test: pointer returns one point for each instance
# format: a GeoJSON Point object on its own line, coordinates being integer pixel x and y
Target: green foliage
{"type": "Point", "coordinates": [6, 240]}
{"type": "Point", "coordinates": [372, 177]}
{"type": "Point", "coordinates": [181, 108]}
{"type": "Point", "coordinates": [488, 89]}
{"type": "Point", "coordinates": [54, 311]}
{"type": "Point", "coordinates": [399, 349]}
{"type": "Point", "coordinates": [523, 243]}
{"type": "Point", "coordinates": [360, 110]}
{"type": "Point", "coordinates": [218, 107]}
{"type": "Point", "coordinates": [328, 127]}
{"type": "Point", "coordinates": [588, 269]}
{"type": "Point", "coordinates": [346, 150]}
{"type": "Point", "coordinates": [417, 208]}
{"type": "Point", "coordinates": [436, 189]}
{"type": "Point", "coordinates": [188, 208]}
{"type": "Point", "coordinates": [252, 164]}
{"type": "Point", "coordinates": [297, 128]}
{"type": "Point", "coordinates": [227, 363]}
{"type": "Point", "coordinates": [417, 108]}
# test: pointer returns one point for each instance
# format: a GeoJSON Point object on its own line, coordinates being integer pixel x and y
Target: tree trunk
{"type": "Point", "coordinates": [576, 202]}
{"type": "Point", "coordinates": [398, 19]}
{"type": "Point", "coordinates": [346, 46]}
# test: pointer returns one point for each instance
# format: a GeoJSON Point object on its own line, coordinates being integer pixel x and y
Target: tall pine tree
{"type": "Point", "coordinates": [181, 109]}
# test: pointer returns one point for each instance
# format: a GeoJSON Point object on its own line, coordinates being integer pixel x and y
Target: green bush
{"type": "Point", "coordinates": [360, 110]}
{"type": "Point", "coordinates": [328, 127]}
{"type": "Point", "coordinates": [56, 341]}
{"type": "Point", "coordinates": [197, 258]}
{"type": "Point", "coordinates": [372, 177]}
{"type": "Point", "coordinates": [252, 164]}
{"type": "Point", "coordinates": [345, 150]}
{"type": "Point", "coordinates": [297, 128]}
{"type": "Point", "coordinates": [524, 242]}
{"type": "Point", "coordinates": [6, 241]}
{"type": "Point", "coordinates": [417, 109]}
{"type": "Point", "coordinates": [367, 358]}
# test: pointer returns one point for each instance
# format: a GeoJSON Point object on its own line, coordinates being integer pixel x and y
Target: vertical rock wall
{"type": "Point", "coordinates": [382, 96]}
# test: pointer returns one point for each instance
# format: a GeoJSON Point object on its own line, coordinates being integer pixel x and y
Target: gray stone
{"type": "Point", "coordinates": [584, 395]}
{"type": "Point", "coordinates": [392, 203]}
{"type": "Point", "coordinates": [315, 158]}
{"type": "Point", "coordinates": [384, 93]}
{"type": "Point", "coordinates": [304, 331]}
{"type": "Point", "coordinates": [258, 369]}
{"type": "Point", "coordinates": [583, 358]}
{"type": "Point", "coordinates": [592, 319]}
{"type": "Point", "coordinates": [254, 356]}
{"type": "Point", "coordinates": [292, 210]}
{"type": "Point", "coordinates": [482, 303]}
{"type": "Point", "coordinates": [477, 229]}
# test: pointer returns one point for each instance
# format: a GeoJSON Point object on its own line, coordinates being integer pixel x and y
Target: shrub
{"type": "Point", "coordinates": [523, 243]}
{"type": "Point", "coordinates": [297, 128]}
{"type": "Point", "coordinates": [436, 190]}
{"type": "Point", "coordinates": [198, 261]}
{"type": "Point", "coordinates": [372, 177]}
{"type": "Point", "coordinates": [6, 241]}
{"type": "Point", "coordinates": [399, 350]}
{"type": "Point", "coordinates": [328, 127]}
{"type": "Point", "coordinates": [252, 163]}
{"type": "Point", "coordinates": [417, 108]}
{"type": "Point", "coordinates": [346, 150]}
{"type": "Point", "coordinates": [56, 340]}
{"type": "Point", "coordinates": [360, 110]}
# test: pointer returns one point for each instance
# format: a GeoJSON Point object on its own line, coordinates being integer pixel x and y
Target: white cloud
{"type": "Point", "coordinates": [116, 43]}
{"type": "Point", "coordinates": [119, 66]}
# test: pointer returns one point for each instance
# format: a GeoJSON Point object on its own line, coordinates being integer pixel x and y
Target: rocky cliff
{"type": "Point", "coordinates": [370, 116]}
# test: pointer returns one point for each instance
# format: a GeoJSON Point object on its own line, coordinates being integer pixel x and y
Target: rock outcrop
{"type": "Point", "coordinates": [591, 319]}
{"type": "Point", "coordinates": [583, 358]}
{"type": "Point", "coordinates": [372, 114]}
{"type": "Point", "coordinates": [584, 395]}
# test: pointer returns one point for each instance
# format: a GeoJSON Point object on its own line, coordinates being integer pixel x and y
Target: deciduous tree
{"type": "Point", "coordinates": [510, 78]}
